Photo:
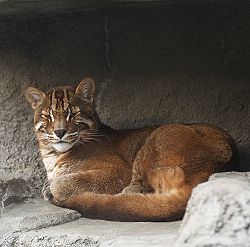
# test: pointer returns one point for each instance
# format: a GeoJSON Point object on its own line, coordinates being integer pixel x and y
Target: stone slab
{"type": "Point", "coordinates": [87, 232]}
{"type": "Point", "coordinates": [35, 222]}
{"type": "Point", "coordinates": [33, 214]}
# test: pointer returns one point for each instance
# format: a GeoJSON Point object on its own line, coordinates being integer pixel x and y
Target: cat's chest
{"type": "Point", "coordinates": [74, 162]}
{"type": "Point", "coordinates": [50, 162]}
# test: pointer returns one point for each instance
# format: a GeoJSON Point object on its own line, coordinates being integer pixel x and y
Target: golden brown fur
{"type": "Point", "coordinates": [129, 175]}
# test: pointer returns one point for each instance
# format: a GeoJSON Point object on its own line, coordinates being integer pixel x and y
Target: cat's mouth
{"type": "Point", "coordinates": [62, 146]}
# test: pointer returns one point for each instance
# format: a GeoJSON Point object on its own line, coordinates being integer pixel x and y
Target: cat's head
{"type": "Point", "coordinates": [63, 116]}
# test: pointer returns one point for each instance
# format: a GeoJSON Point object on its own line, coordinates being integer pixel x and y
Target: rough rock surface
{"type": "Point", "coordinates": [29, 215]}
{"type": "Point", "coordinates": [218, 213]}
{"type": "Point", "coordinates": [27, 7]}
{"type": "Point", "coordinates": [38, 223]}
{"type": "Point", "coordinates": [85, 232]}
{"type": "Point", "coordinates": [235, 175]}
{"type": "Point", "coordinates": [12, 190]}
{"type": "Point", "coordinates": [35, 214]}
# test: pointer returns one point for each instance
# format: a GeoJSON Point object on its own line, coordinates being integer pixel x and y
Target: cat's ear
{"type": "Point", "coordinates": [86, 90]}
{"type": "Point", "coordinates": [34, 96]}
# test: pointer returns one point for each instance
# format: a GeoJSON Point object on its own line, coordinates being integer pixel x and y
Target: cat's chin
{"type": "Point", "coordinates": [62, 147]}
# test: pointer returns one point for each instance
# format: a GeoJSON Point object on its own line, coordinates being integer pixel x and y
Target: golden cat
{"type": "Point", "coordinates": [128, 175]}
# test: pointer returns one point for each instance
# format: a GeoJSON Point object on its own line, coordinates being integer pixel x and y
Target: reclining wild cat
{"type": "Point", "coordinates": [128, 175]}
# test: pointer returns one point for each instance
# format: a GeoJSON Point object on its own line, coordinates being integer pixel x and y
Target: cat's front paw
{"type": "Point", "coordinates": [47, 195]}
{"type": "Point", "coordinates": [132, 189]}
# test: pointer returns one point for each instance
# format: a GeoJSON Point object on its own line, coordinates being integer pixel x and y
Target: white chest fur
{"type": "Point", "coordinates": [50, 163]}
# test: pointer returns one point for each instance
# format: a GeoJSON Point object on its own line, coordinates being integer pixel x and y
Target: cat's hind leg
{"type": "Point", "coordinates": [152, 173]}
{"type": "Point", "coordinates": [168, 180]}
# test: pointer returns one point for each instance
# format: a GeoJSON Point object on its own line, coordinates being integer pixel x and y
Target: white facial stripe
{"type": "Point", "coordinates": [69, 114]}
{"type": "Point", "coordinates": [68, 117]}
{"type": "Point", "coordinates": [38, 125]}
{"type": "Point", "coordinates": [51, 115]}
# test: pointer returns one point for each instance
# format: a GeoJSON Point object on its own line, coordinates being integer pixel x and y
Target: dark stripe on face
{"type": "Point", "coordinates": [60, 100]}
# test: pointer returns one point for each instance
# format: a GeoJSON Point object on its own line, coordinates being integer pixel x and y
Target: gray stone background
{"type": "Point", "coordinates": [154, 63]}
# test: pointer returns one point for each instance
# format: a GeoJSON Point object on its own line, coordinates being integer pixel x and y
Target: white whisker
{"type": "Point", "coordinates": [91, 135]}
{"type": "Point", "coordinates": [72, 134]}
{"type": "Point", "coordinates": [49, 135]}
{"type": "Point", "coordinates": [89, 138]}
{"type": "Point", "coordinates": [84, 141]}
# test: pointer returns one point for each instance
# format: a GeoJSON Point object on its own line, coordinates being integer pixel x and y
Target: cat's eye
{"type": "Point", "coordinates": [46, 116]}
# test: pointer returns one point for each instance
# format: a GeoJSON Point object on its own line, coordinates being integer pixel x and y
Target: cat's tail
{"type": "Point", "coordinates": [129, 207]}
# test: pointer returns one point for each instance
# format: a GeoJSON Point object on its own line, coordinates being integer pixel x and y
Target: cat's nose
{"type": "Point", "coordinates": [60, 132]}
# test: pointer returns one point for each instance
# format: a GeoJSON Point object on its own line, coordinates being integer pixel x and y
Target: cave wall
{"type": "Point", "coordinates": [178, 61]}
